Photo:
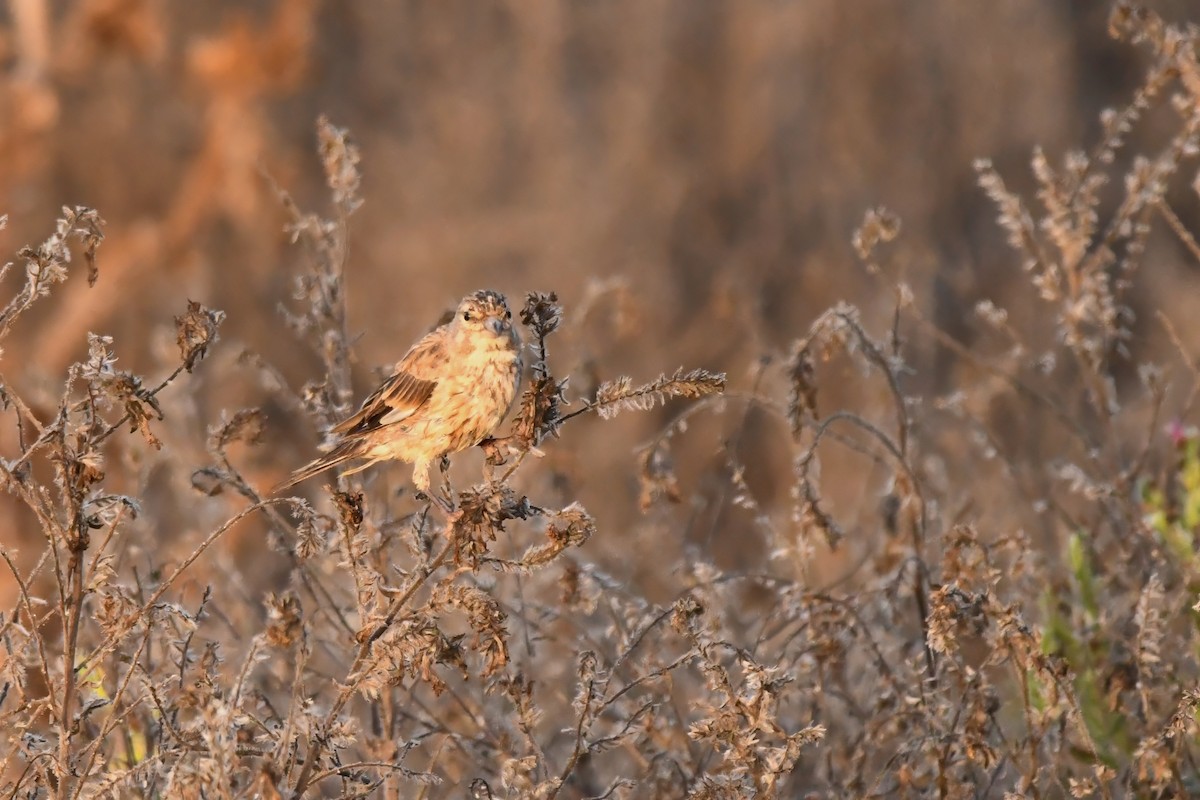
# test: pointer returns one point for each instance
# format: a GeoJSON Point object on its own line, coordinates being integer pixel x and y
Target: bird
{"type": "Point", "coordinates": [450, 391]}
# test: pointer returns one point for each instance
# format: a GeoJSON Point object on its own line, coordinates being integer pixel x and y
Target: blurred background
{"type": "Point", "coordinates": [685, 174]}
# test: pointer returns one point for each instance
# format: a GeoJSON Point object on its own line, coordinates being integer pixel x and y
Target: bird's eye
{"type": "Point", "coordinates": [508, 315]}
{"type": "Point", "coordinates": [466, 316]}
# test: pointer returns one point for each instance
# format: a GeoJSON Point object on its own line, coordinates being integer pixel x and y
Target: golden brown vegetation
{"type": "Point", "coordinates": [913, 552]}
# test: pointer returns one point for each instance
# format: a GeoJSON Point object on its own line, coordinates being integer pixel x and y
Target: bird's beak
{"type": "Point", "coordinates": [495, 325]}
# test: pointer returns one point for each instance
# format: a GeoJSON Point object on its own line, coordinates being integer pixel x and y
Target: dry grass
{"type": "Point", "coordinates": [912, 553]}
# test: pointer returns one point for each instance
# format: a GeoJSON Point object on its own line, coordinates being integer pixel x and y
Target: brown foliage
{"type": "Point", "coordinates": [976, 584]}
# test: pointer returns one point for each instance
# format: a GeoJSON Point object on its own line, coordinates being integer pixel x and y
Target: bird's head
{"type": "Point", "coordinates": [485, 310]}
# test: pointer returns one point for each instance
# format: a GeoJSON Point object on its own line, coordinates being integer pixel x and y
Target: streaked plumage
{"type": "Point", "coordinates": [449, 392]}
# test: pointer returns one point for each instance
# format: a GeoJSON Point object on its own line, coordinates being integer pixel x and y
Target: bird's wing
{"type": "Point", "coordinates": [404, 392]}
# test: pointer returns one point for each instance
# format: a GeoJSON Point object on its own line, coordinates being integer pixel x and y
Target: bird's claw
{"type": "Point", "coordinates": [442, 503]}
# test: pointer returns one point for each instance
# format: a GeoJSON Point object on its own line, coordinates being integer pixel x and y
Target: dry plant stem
{"type": "Point", "coordinates": [354, 675]}
{"type": "Point", "coordinates": [1176, 224]}
{"type": "Point", "coordinates": [78, 547]}
{"type": "Point", "coordinates": [732, 449]}
{"type": "Point", "coordinates": [641, 635]}
{"type": "Point", "coordinates": [1030, 494]}
{"type": "Point", "coordinates": [48, 432]}
{"type": "Point", "coordinates": [38, 501]}
{"type": "Point", "coordinates": [1158, 79]}
{"type": "Point", "coordinates": [356, 569]}
{"type": "Point", "coordinates": [15, 308]}
{"type": "Point", "coordinates": [111, 641]}
{"type": "Point", "coordinates": [28, 768]}
{"type": "Point", "coordinates": [1189, 360]}
{"type": "Point", "coordinates": [311, 581]}
{"type": "Point", "coordinates": [1031, 738]}
{"type": "Point", "coordinates": [944, 754]}
{"type": "Point", "coordinates": [166, 717]}
{"type": "Point", "coordinates": [93, 748]}
{"type": "Point", "coordinates": [23, 413]}
{"type": "Point", "coordinates": [327, 257]}
{"type": "Point", "coordinates": [865, 630]}
{"type": "Point", "coordinates": [164, 383]}
{"type": "Point", "coordinates": [187, 642]}
{"type": "Point", "coordinates": [647, 678]}
{"type": "Point", "coordinates": [550, 612]}
{"type": "Point", "coordinates": [508, 473]}
{"type": "Point", "coordinates": [433, 723]}
{"type": "Point", "coordinates": [32, 576]}
{"type": "Point", "coordinates": [918, 532]}
{"type": "Point", "coordinates": [343, 768]}
{"type": "Point", "coordinates": [285, 739]}
{"type": "Point", "coordinates": [433, 759]}
{"type": "Point", "coordinates": [1129, 474]}
{"type": "Point", "coordinates": [903, 423]}
{"type": "Point", "coordinates": [247, 665]}
{"type": "Point", "coordinates": [1082, 727]}
{"type": "Point", "coordinates": [952, 344]}
{"type": "Point", "coordinates": [105, 789]}
{"type": "Point", "coordinates": [337, 356]}
{"type": "Point", "coordinates": [578, 748]}
{"type": "Point", "coordinates": [108, 536]}
{"type": "Point", "coordinates": [23, 588]}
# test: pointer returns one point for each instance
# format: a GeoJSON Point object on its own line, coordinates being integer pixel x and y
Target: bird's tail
{"type": "Point", "coordinates": [343, 452]}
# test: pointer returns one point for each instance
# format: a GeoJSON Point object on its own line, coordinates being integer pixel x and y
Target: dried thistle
{"type": "Point", "coordinates": [540, 412]}
{"type": "Point", "coordinates": [570, 527]}
{"type": "Point", "coordinates": [485, 617]}
{"type": "Point", "coordinates": [613, 397]}
{"type": "Point", "coordinates": [350, 509]}
{"type": "Point", "coordinates": [482, 512]}
{"type": "Point", "coordinates": [542, 315]}
{"type": "Point", "coordinates": [195, 331]}
{"type": "Point", "coordinates": [140, 404]}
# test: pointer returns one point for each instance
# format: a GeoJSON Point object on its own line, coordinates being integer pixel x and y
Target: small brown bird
{"type": "Point", "coordinates": [449, 392]}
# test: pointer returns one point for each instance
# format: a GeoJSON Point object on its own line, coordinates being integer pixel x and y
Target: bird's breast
{"type": "Point", "coordinates": [491, 374]}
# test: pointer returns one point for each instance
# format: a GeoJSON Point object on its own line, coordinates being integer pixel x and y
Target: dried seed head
{"type": "Point", "coordinates": [802, 393]}
{"type": "Point", "coordinates": [481, 513]}
{"type": "Point", "coordinates": [284, 623]}
{"type": "Point", "coordinates": [656, 476]}
{"type": "Point", "coordinates": [340, 158]}
{"type": "Point", "coordinates": [572, 526]}
{"type": "Point", "coordinates": [879, 225]}
{"type": "Point", "coordinates": [350, 509]}
{"type": "Point", "coordinates": [312, 534]}
{"type": "Point", "coordinates": [195, 331]}
{"type": "Point", "coordinates": [613, 397]}
{"type": "Point", "coordinates": [540, 412]}
{"type": "Point", "coordinates": [246, 426]}
{"type": "Point", "coordinates": [542, 314]}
